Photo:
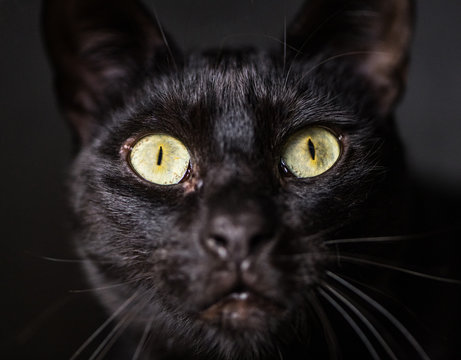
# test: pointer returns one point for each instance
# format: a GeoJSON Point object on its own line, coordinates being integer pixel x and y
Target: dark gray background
{"type": "Point", "coordinates": [35, 142]}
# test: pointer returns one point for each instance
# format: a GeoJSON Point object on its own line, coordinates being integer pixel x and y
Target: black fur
{"type": "Point", "coordinates": [118, 79]}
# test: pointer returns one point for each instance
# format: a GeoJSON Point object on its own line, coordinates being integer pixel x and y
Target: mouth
{"type": "Point", "coordinates": [241, 310]}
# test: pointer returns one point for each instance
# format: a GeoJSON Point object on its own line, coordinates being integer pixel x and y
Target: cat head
{"type": "Point", "coordinates": [206, 184]}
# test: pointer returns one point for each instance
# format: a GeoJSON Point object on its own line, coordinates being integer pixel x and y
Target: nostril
{"type": "Point", "coordinates": [218, 245]}
{"type": "Point", "coordinates": [235, 236]}
{"type": "Point", "coordinates": [220, 240]}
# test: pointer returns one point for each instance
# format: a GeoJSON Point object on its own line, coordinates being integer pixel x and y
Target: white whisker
{"type": "Point", "coordinates": [331, 58]}
{"type": "Point", "coordinates": [308, 39]}
{"type": "Point", "coordinates": [61, 260]}
{"type": "Point", "coordinates": [284, 42]}
{"type": "Point", "coordinates": [107, 287]}
{"type": "Point", "coordinates": [352, 324]}
{"type": "Point", "coordinates": [165, 40]}
{"type": "Point", "coordinates": [103, 326]}
{"type": "Point", "coordinates": [400, 269]}
{"type": "Point", "coordinates": [330, 335]}
{"type": "Point", "coordinates": [143, 339]}
{"type": "Point", "coordinates": [384, 312]}
{"type": "Point", "coordinates": [364, 320]}
{"type": "Point", "coordinates": [279, 353]}
{"type": "Point", "coordinates": [110, 339]}
{"type": "Point", "coordinates": [375, 239]}
{"type": "Point", "coordinates": [53, 259]}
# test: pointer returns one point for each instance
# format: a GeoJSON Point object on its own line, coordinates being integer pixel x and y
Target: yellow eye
{"type": "Point", "coordinates": [311, 152]}
{"type": "Point", "coordinates": [160, 159]}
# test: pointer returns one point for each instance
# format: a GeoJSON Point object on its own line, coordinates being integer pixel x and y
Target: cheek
{"type": "Point", "coordinates": [307, 212]}
{"type": "Point", "coordinates": [322, 206]}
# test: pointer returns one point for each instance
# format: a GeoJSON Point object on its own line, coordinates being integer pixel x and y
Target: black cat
{"type": "Point", "coordinates": [231, 203]}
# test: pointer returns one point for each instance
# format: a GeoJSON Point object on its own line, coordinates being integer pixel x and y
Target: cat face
{"type": "Point", "coordinates": [225, 258]}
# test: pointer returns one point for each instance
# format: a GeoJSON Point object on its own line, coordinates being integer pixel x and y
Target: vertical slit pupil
{"type": "Point", "coordinates": [311, 147]}
{"type": "Point", "coordinates": [160, 156]}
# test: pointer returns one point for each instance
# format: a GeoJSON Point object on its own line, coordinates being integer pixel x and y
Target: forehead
{"type": "Point", "coordinates": [233, 104]}
{"type": "Point", "coordinates": [221, 98]}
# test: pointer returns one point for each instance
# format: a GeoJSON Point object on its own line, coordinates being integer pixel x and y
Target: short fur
{"type": "Point", "coordinates": [118, 78]}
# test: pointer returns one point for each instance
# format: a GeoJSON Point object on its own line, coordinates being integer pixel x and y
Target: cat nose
{"type": "Point", "coordinates": [234, 237]}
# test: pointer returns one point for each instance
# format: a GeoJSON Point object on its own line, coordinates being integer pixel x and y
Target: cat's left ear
{"type": "Point", "coordinates": [100, 50]}
{"type": "Point", "coordinates": [370, 37]}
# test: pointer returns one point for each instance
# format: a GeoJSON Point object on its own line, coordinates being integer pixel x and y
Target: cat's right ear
{"type": "Point", "coordinates": [100, 50]}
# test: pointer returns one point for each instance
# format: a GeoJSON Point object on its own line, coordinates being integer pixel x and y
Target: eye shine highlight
{"type": "Point", "coordinates": [160, 159]}
{"type": "Point", "coordinates": [310, 152]}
